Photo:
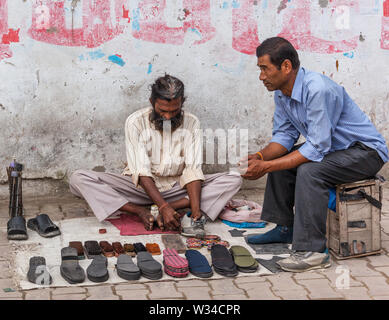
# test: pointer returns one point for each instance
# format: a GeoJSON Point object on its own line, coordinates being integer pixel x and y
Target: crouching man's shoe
{"type": "Point", "coordinates": [279, 234]}
{"type": "Point", "coordinates": [192, 228]}
{"type": "Point", "coordinates": [300, 261]}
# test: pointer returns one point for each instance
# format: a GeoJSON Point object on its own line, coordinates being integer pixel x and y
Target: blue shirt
{"type": "Point", "coordinates": [325, 115]}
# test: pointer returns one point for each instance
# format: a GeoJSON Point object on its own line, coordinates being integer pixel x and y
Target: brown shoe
{"type": "Point", "coordinates": [107, 249]}
{"type": "Point", "coordinates": [153, 248]}
{"type": "Point", "coordinates": [80, 249]}
{"type": "Point", "coordinates": [129, 249]}
{"type": "Point", "coordinates": [118, 248]}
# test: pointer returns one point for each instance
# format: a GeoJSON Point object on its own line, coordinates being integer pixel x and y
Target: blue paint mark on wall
{"type": "Point", "coordinates": [225, 5]}
{"type": "Point", "coordinates": [235, 4]}
{"type": "Point", "coordinates": [264, 4]}
{"type": "Point", "coordinates": [349, 54]}
{"type": "Point", "coordinates": [116, 59]}
{"type": "Point", "coordinates": [150, 68]}
{"type": "Point", "coordinates": [135, 19]}
{"type": "Point", "coordinates": [93, 55]}
{"type": "Point", "coordinates": [196, 31]}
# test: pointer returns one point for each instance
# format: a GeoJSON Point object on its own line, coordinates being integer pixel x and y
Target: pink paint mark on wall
{"type": "Point", "coordinates": [126, 14]}
{"type": "Point", "coordinates": [385, 27]}
{"type": "Point", "coordinates": [244, 28]}
{"type": "Point", "coordinates": [11, 36]}
{"type": "Point", "coordinates": [5, 51]}
{"type": "Point", "coordinates": [297, 29]}
{"type": "Point", "coordinates": [49, 25]}
{"type": "Point", "coordinates": [151, 24]}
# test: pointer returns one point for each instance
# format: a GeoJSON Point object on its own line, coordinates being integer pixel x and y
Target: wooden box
{"type": "Point", "coordinates": [354, 230]}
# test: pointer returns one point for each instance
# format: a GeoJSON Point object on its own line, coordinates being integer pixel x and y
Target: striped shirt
{"type": "Point", "coordinates": [322, 111]}
{"type": "Point", "coordinates": [168, 158]}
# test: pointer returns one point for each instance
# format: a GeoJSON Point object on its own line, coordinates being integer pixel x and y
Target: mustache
{"type": "Point", "coordinates": [158, 121]}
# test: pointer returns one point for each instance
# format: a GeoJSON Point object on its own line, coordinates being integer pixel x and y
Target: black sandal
{"type": "Point", "coordinates": [16, 228]}
{"type": "Point", "coordinates": [44, 226]}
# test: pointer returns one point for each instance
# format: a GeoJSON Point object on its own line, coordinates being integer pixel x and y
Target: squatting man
{"type": "Point", "coordinates": [164, 158]}
{"type": "Point", "coordinates": [342, 145]}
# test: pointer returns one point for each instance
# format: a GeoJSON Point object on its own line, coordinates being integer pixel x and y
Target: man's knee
{"type": "Point", "coordinates": [77, 177]}
{"type": "Point", "coordinates": [233, 179]}
{"type": "Point", "coordinates": [310, 171]}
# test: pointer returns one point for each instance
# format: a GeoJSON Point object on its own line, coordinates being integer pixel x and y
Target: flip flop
{"type": "Point", "coordinates": [222, 261]}
{"type": "Point", "coordinates": [153, 248]}
{"type": "Point", "coordinates": [117, 248]}
{"type": "Point", "coordinates": [70, 270]}
{"type": "Point", "coordinates": [92, 249]}
{"type": "Point", "coordinates": [97, 270]}
{"type": "Point", "coordinates": [129, 249]}
{"type": "Point", "coordinates": [38, 273]}
{"type": "Point", "coordinates": [126, 268]}
{"type": "Point", "coordinates": [107, 249]}
{"type": "Point", "coordinates": [149, 267]}
{"type": "Point", "coordinates": [16, 228]}
{"type": "Point", "coordinates": [175, 265]}
{"type": "Point", "coordinates": [173, 241]}
{"type": "Point", "coordinates": [243, 259]}
{"type": "Point", "coordinates": [78, 246]}
{"type": "Point", "coordinates": [198, 264]}
{"type": "Point", "coordinates": [44, 226]}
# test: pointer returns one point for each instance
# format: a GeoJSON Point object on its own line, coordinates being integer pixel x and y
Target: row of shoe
{"type": "Point", "coordinates": [93, 248]}
{"type": "Point", "coordinates": [209, 241]}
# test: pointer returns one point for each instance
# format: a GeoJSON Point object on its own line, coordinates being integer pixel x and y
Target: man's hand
{"type": "Point", "coordinates": [171, 218]}
{"type": "Point", "coordinates": [254, 169]}
{"type": "Point", "coordinates": [254, 156]}
{"type": "Point", "coordinates": [196, 215]}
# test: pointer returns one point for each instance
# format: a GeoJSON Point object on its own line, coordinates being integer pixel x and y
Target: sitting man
{"type": "Point", "coordinates": [342, 145]}
{"type": "Point", "coordinates": [164, 156]}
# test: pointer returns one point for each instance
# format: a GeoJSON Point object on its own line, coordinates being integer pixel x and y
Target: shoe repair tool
{"type": "Point", "coordinates": [154, 211]}
{"type": "Point", "coordinates": [14, 172]}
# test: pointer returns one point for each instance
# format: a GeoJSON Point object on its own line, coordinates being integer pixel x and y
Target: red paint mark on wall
{"type": "Point", "coordinates": [11, 36]}
{"type": "Point", "coordinates": [5, 51]}
{"type": "Point", "coordinates": [97, 27]}
{"type": "Point", "coordinates": [297, 29]}
{"type": "Point", "coordinates": [244, 28]}
{"type": "Point", "coordinates": [152, 25]}
{"type": "Point", "coordinates": [385, 27]}
{"type": "Point", "coordinates": [126, 14]}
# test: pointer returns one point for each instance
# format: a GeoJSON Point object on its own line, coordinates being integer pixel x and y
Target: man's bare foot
{"type": "Point", "coordinates": [147, 218]}
{"type": "Point", "coordinates": [160, 222]}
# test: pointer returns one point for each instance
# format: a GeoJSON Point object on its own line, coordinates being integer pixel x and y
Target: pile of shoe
{"type": "Point", "coordinates": [243, 259]}
{"type": "Point", "coordinates": [174, 265]}
{"type": "Point", "coordinates": [223, 262]}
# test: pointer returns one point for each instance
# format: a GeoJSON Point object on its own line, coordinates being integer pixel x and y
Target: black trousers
{"type": "Point", "coordinates": [306, 189]}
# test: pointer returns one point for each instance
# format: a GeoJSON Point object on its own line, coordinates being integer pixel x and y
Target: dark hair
{"type": "Point", "coordinates": [279, 49]}
{"type": "Point", "coordinates": [167, 88]}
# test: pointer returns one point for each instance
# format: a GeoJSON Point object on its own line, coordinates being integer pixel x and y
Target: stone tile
{"type": "Point", "coordinates": [292, 294]}
{"type": "Point", "coordinates": [3, 237]}
{"type": "Point", "coordinates": [192, 283]}
{"type": "Point", "coordinates": [381, 260]}
{"type": "Point", "coordinates": [133, 294]}
{"type": "Point", "coordinates": [284, 281]}
{"type": "Point", "coordinates": [101, 293]}
{"type": "Point", "coordinates": [377, 286]}
{"type": "Point", "coordinates": [384, 270]}
{"type": "Point", "coordinates": [308, 275]}
{"type": "Point", "coordinates": [49, 208]}
{"type": "Point", "coordinates": [385, 245]}
{"type": "Point", "coordinates": [251, 279]}
{"type": "Point", "coordinates": [5, 270]}
{"type": "Point", "coordinates": [230, 297]}
{"type": "Point", "coordinates": [196, 293]}
{"type": "Point", "coordinates": [68, 290]}
{"type": "Point", "coordinates": [359, 268]}
{"type": "Point", "coordinates": [161, 290]}
{"type": "Point", "coordinates": [224, 285]}
{"type": "Point", "coordinates": [130, 286]}
{"type": "Point", "coordinates": [74, 213]}
{"type": "Point", "coordinates": [74, 296]}
{"type": "Point", "coordinates": [355, 293]}
{"type": "Point", "coordinates": [320, 289]}
{"type": "Point", "coordinates": [5, 252]}
{"type": "Point", "coordinates": [38, 294]}
{"type": "Point", "coordinates": [259, 290]}
{"type": "Point", "coordinates": [339, 275]}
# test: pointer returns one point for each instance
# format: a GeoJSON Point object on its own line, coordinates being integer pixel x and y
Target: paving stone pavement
{"type": "Point", "coordinates": [367, 278]}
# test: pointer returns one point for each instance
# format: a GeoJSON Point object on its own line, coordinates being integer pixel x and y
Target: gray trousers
{"type": "Point", "coordinates": [106, 193]}
{"type": "Point", "coordinates": [306, 188]}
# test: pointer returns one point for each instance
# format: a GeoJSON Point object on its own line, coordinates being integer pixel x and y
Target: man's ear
{"type": "Point", "coordinates": [287, 66]}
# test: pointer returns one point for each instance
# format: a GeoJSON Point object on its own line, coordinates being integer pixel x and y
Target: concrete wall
{"type": "Point", "coordinates": [72, 71]}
